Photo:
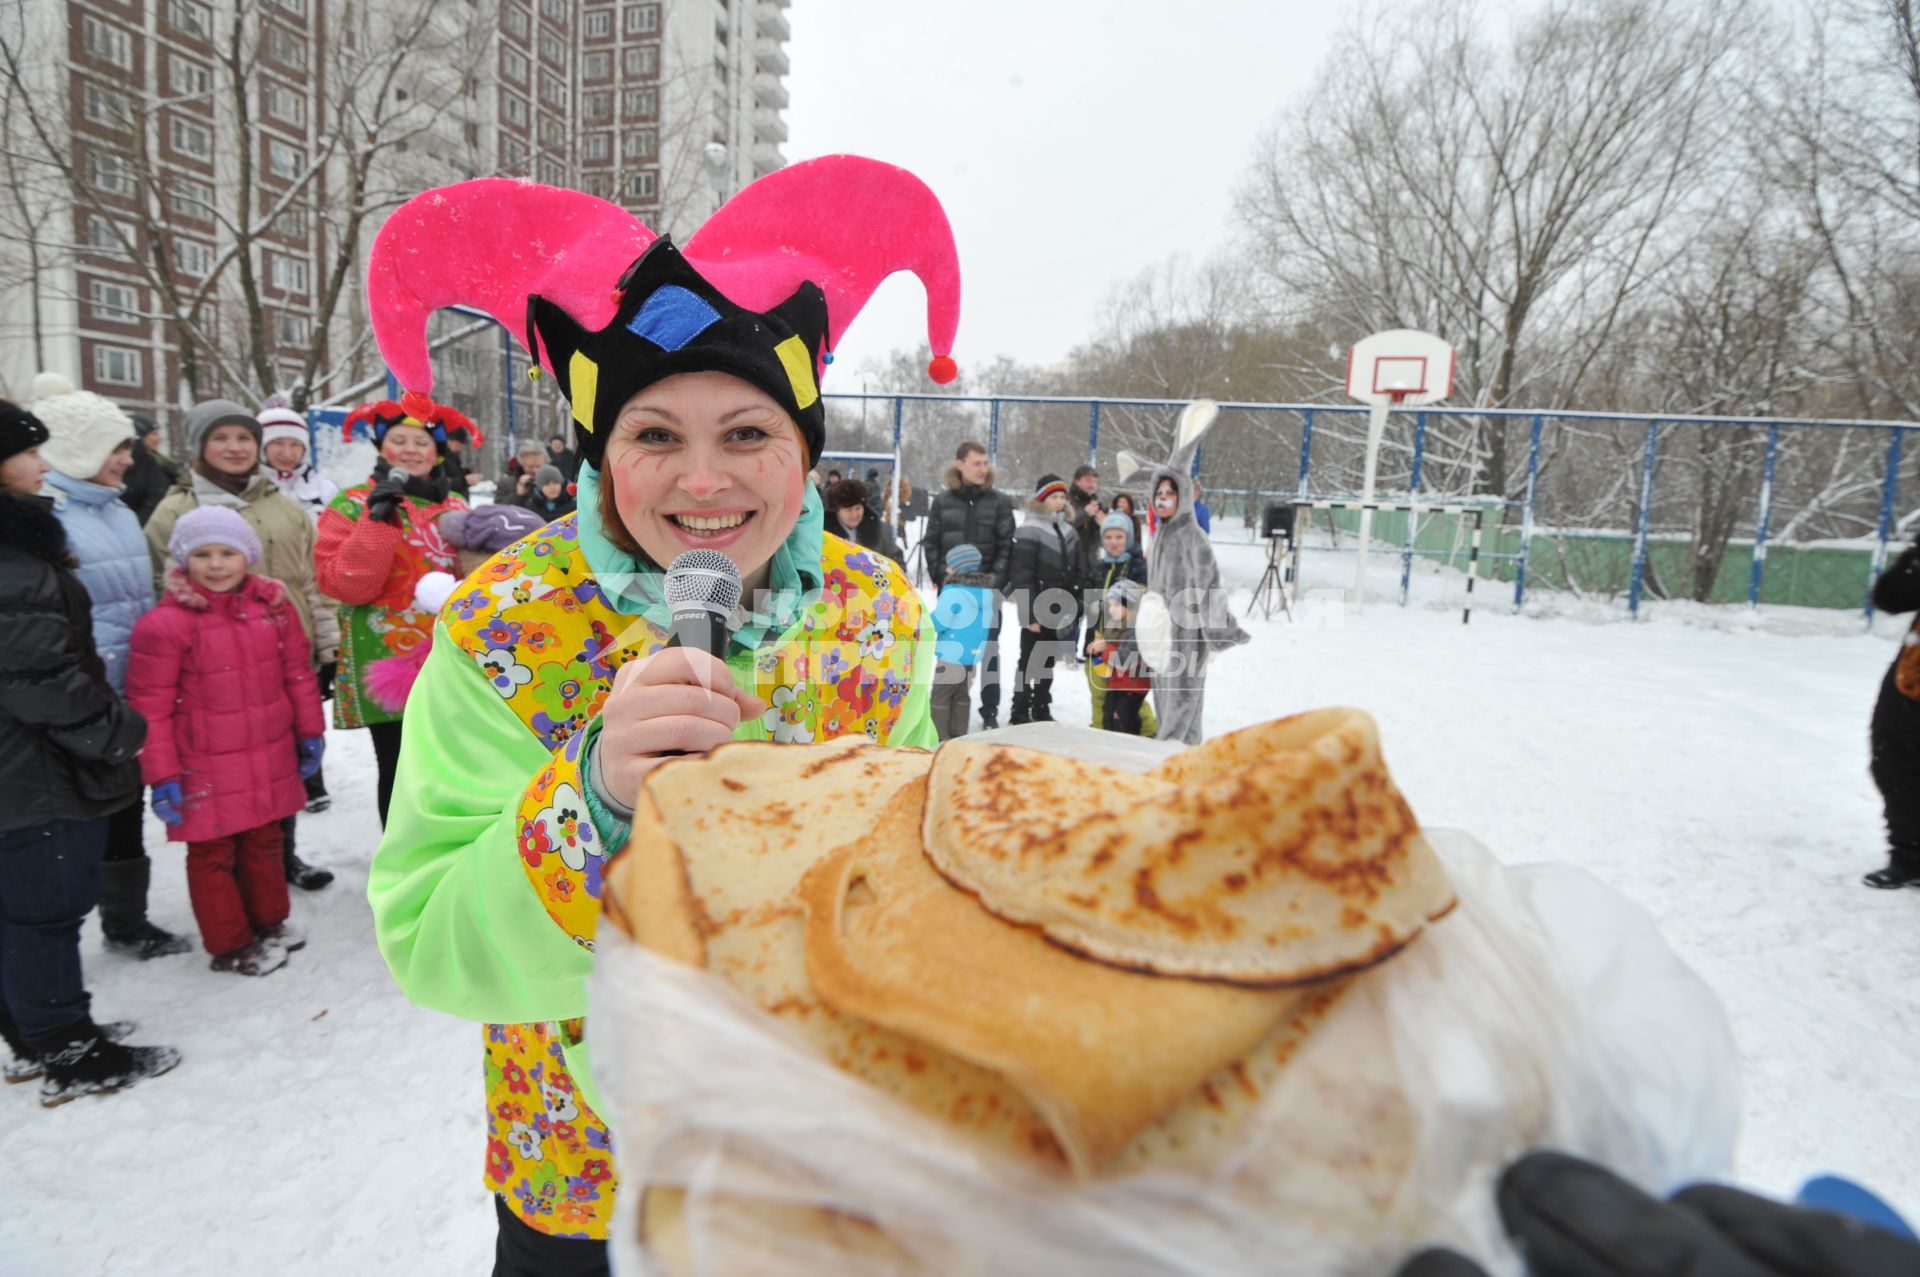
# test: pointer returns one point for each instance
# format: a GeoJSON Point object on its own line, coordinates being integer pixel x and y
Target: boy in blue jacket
{"type": "Point", "coordinates": [962, 616]}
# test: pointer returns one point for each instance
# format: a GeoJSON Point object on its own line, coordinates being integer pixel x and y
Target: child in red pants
{"type": "Point", "coordinates": [220, 671]}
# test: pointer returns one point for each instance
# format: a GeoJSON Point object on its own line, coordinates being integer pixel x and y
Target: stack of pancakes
{"type": "Point", "coordinates": [1095, 972]}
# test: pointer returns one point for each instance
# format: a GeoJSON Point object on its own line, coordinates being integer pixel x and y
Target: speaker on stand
{"type": "Point", "coordinates": [1276, 583]}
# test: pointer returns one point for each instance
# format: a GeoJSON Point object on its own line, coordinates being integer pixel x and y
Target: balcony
{"type": "Point", "coordinates": [773, 22]}
{"type": "Point", "coordinates": [769, 55]}
{"type": "Point", "coordinates": [768, 91]}
{"type": "Point", "coordinates": [768, 126]}
{"type": "Point", "coordinates": [766, 158]}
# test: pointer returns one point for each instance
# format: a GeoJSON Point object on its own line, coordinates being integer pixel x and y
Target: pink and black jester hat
{"type": "Point", "coordinates": [763, 291]}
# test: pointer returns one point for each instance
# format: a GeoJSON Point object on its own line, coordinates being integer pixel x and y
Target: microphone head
{"type": "Point", "coordinates": [703, 581]}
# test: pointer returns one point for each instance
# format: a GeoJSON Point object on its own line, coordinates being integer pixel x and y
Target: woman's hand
{"type": "Point", "coordinates": [678, 701]}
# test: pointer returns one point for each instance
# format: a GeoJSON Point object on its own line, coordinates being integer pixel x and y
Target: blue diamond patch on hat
{"type": "Point", "coordinates": [672, 317]}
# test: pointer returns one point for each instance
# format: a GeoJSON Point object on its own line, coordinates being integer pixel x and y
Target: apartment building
{"type": "Point", "coordinates": [664, 106]}
{"type": "Point", "coordinates": [126, 92]}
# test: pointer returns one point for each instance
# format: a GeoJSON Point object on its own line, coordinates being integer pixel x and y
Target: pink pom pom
{"type": "Point", "coordinates": [390, 679]}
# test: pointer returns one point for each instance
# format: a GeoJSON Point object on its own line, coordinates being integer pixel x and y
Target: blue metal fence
{"type": "Point", "coordinates": [1315, 478]}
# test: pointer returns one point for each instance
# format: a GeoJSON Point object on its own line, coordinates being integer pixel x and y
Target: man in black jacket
{"type": "Point", "coordinates": [69, 751]}
{"type": "Point", "coordinates": [1087, 510]}
{"type": "Point", "coordinates": [973, 512]}
{"type": "Point", "coordinates": [1895, 734]}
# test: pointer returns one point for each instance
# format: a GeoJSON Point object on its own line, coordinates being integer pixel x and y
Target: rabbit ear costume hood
{"type": "Point", "coordinates": [1183, 568]}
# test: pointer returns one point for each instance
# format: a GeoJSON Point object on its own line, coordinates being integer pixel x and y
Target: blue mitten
{"type": "Point", "coordinates": [310, 751]}
{"type": "Point", "coordinates": [167, 801]}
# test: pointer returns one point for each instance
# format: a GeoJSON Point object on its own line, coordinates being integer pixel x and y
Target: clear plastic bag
{"type": "Point", "coordinates": [1544, 1011]}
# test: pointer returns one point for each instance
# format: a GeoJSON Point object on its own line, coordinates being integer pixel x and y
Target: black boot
{"type": "Point", "coordinates": [317, 797]}
{"type": "Point", "coordinates": [301, 874]}
{"type": "Point", "coordinates": [80, 1060]}
{"type": "Point", "coordinates": [123, 912]}
{"type": "Point", "coordinates": [1022, 708]}
{"type": "Point", "coordinates": [1041, 706]}
{"type": "Point", "coordinates": [25, 1066]}
{"type": "Point", "coordinates": [1893, 876]}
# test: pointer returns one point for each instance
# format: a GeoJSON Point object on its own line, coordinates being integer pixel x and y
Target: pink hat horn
{"type": "Point", "coordinates": [843, 222]}
{"type": "Point", "coordinates": [817, 221]}
{"type": "Point", "coordinates": [488, 244]}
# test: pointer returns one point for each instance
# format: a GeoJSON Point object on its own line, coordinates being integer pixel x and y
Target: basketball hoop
{"type": "Point", "coordinates": [1397, 368]}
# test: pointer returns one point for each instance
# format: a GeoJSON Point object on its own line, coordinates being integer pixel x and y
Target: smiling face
{"type": "Point", "coordinates": [1166, 499]}
{"type": "Point", "coordinates": [286, 454]}
{"type": "Point", "coordinates": [850, 516]}
{"type": "Point", "coordinates": [409, 448]}
{"type": "Point", "coordinates": [704, 461]}
{"type": "Point", "coordinates": [217, 568]}
{"type": "Point", "coordinates": [975, 467]}
{"type": "Point", "coordinates": [231, 449]}
{"type": "Point", "coordinates": [114, 470]}
{"type": "Point", "coordinates": [1115, 541]}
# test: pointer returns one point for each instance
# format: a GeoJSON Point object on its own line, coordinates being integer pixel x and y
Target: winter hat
{"type": "Point", "coordinates": [1048, 485]}
{"type": "Point", "coordinates": [19, 430]}
{"type": "Point", "coordinates": [964, 557]}
{"type": "Point", "coordinates": [847, 492]}
{"type": "Point", "coordinates": [283, 423]}
{"type": "Point", "coordinates": [203, 417]}
{"type": "Point", "coordinates": [764, 291]}
{"type": "Point", "coordinates": [83, 428]}
{"type": "Point", "coordinates": [548, 474]}
{"type": "Point", "coordinates": [1118, 519]}
{"type": "Point", "coordinates": [1128, 591]}
{"type": "Point", "coordinates": [212, 525]}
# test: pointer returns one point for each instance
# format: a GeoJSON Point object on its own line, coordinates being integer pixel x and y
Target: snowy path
{"type": "Point", "coordinates": [321, 1124]}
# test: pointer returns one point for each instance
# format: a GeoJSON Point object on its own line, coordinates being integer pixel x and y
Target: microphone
{"type": "Point", "coordinates": [703, 589]}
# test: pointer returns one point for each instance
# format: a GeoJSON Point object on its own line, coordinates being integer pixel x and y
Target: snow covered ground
{"type": "Point", "coordinates": [1709, 766]}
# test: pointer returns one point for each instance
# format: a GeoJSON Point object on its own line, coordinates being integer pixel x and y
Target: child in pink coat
{"type": "Point", "coordinates": [220, 670]}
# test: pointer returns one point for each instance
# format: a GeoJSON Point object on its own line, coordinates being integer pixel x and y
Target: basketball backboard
{"type": "Point", "coordinates": [1401, 366]}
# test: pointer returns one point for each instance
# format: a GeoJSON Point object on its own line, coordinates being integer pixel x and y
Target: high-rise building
{"type": "Point", "coordinates": [664, 106]}
{"type": "Point", "coordinates": [117, 220]}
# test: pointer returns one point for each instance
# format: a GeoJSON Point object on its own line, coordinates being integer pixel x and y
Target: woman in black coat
{"type": "Point", "coordinates": [68, 759]}
{"type": "Point", "coordinates": [1895, 735]}
{"type": "Point", "coordinates": [851, 518]}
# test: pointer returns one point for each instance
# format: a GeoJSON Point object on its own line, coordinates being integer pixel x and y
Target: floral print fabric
{"type": "Point", "coordinates": [548, 642]}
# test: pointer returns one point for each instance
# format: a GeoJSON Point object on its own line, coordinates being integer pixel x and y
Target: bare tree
{"type": "Point", "coordinates": [391, 74]}
{"type": "Point", "coordinates": [1514, 197]}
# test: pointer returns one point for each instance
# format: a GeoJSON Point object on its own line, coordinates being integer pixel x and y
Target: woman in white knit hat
{"type": "Point", "coordinates": [284, 447]}
{"type": "Point", "coordinates": [90, 445]}
{"type": "Point", "coordinates": [284, 443]}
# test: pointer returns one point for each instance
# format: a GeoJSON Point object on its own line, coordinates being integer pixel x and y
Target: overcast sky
{"type": "Point", "coordinates": [1073, 143]}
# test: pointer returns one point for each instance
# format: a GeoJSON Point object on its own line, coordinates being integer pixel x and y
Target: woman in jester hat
{"type": "Point", "coordinates": [548, 692]}
{"type": "Point", "coordinates": [375, 541]}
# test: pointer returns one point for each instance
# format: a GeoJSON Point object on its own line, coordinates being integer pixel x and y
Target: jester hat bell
{"type": "Point", "coordinates": [762, 291]}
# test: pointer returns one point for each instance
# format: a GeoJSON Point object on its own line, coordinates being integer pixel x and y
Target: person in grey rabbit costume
{"type": "Point", "coordinates": [1184, 619]}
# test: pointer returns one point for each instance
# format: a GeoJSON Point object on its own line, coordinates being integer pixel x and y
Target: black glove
{"type": "Point", "coordinates": [1571, 1218]}
{"type": "Point", "coordinates": [325, 675]}
{"type": "Point", "coordinates": [383, 501]}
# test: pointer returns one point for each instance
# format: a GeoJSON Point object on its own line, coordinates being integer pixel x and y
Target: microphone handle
{"type": "Point", "coordinates": [702, 629]}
